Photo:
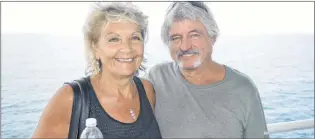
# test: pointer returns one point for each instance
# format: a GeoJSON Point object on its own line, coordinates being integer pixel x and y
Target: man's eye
{"type": "Point", "coordinates": [174, 38]}
{"type": "Point", "coordinates": [195, 35]}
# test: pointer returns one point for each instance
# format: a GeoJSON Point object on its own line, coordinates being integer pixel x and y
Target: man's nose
{"type": "Point", "coordinates": [185, 45]}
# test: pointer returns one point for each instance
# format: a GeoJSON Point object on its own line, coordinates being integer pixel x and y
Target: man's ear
{"type": "Point", "coordinates": [212, 40]}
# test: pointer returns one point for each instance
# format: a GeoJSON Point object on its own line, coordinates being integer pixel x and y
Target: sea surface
{"type": "Point", "coordinates": [34, 66]}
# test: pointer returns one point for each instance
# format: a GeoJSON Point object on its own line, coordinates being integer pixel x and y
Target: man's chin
{"type": "Point", "coordinates": [189, 66]}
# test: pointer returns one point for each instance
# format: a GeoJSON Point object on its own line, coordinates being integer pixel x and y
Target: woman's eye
{"type": "Point", "coordinates": [115, 39]}
{"type": "Point", "coordinates": [136, 38]}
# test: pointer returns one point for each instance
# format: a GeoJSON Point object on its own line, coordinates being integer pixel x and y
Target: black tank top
{"type": "Point", "coordinates": [144, 127]}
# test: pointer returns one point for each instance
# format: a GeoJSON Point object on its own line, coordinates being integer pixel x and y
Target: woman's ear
{"type": "Point", "coordinates": [95, 51]}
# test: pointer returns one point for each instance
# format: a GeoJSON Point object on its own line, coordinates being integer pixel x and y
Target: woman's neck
{"type": "Point", "coordinates": [114, 85]}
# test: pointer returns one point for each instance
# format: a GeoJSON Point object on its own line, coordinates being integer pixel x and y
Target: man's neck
{"type": "Point", "coordinates": [207, 73]}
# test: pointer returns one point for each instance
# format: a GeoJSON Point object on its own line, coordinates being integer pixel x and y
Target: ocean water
{"type": "Point", "coordinates": [34, 66]}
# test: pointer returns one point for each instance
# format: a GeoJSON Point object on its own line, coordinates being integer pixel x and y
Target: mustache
{"type": "Point", "coordinates": [180, 53]}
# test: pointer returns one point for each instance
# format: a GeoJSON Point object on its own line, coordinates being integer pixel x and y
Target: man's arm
{"type": "Point", "coordinates": [256, 126]}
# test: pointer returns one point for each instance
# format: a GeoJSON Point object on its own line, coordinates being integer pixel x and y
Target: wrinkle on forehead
{"type": "Point", "coordinates": [124, 27]}
{"type": "Point", "coordinates": [186, 26]}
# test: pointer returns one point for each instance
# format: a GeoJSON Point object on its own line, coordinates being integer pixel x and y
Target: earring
{"type": "Point", "coordinates": [99, 64]}
{"type": "Point", "coordinates": [97, 61]}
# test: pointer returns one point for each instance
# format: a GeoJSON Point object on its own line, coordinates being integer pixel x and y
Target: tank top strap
{"type": "Point", "coordinates": [93, 100]}
{"type": "Point", "coordinates": [145, 104]}
{"type": "Point", "coordinates": [142, 92]}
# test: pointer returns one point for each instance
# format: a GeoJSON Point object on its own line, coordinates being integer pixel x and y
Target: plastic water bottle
{"type": "Point", "coordinates": [91, 131]}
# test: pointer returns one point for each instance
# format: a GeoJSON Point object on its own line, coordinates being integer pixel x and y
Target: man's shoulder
{"type": "Point", "coordinates": [242, 80]}
{"type": "Point", "coordinates": [239, 76]}
{"type": "Point", "coordinates": [162, 66]}
{"type": "Point", "coordinates": [161, 71]}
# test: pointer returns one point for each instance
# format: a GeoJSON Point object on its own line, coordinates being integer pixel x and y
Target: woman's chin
{"type": "Point", "coordinates": [125, 72]}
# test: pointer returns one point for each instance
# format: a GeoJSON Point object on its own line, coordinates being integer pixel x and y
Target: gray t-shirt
{"type": "Point", "coordinates": [227, 109]}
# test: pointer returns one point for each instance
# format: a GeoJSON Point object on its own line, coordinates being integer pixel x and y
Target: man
{"type": "Point", "coordinates": [197, 97]}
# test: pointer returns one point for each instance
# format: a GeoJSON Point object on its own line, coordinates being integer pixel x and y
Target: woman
{"type": "Point", "coordinates": [114, 36]}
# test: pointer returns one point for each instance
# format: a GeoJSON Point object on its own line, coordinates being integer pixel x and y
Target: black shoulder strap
{"type": "Point", "coordinates": [146, 105]}
{"type": "Point", "coordinates": [76, 110]}
{"type": "Point", "coordinates": [80, 108]}
{"type": "Point", "coordinates": [140, 88]}
{"type": "Point", "coordinates": [85, 103]}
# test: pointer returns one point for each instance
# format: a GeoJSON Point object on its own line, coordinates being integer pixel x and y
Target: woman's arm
{"type": "Point", "coordinates": [55, 119]}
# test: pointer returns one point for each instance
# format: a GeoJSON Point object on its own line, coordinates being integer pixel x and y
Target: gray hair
{"type": "Point", "coordinates": [193, 10]}
{"type": "Point", "coordinates": [102, 14]}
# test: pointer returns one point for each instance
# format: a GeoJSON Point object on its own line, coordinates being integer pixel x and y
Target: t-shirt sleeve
{"type": "Point", "coordinates": [149, 76]}
{"type": "Point", "coordinates": [256, 126]}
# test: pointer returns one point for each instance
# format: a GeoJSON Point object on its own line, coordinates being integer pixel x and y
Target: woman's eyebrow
{"type": "Point", "coordinates": [136, 32]}
{"type": "Point", "coordinates": [110, 33]}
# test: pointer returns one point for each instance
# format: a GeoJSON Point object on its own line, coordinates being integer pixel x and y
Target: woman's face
{"type": "Point", "coordinates": [120, 48]}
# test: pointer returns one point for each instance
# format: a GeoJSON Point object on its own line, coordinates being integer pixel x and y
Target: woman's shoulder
{"type": "Point", "coordinates": [64, 93]}
{"type": "Point", "coordinates": [62, 100]}
{"type": "Point", "coordinates": [146, 84]}
{"type": "Point", "coordinates": [149, 91]}
{"type": "Point", "coordinates": [55, 119]}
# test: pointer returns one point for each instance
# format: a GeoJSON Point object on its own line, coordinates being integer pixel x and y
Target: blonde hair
{"type": "Point", "coordinates": [101, 15]}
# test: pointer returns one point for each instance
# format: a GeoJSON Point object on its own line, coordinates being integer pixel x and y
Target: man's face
{"type": "Point", "coordinates": [190, 45]}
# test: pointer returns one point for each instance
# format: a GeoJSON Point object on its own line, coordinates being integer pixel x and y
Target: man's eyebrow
{"type": "Point", "coordinates": [192, 31]}
{"type": "Point", "coordinates": [195, 31]}
{"type": "Point", "coordinates": [175, 34]}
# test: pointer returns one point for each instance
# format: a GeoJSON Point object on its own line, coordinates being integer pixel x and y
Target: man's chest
{"type": "Point", "coordinates": [181, 114]}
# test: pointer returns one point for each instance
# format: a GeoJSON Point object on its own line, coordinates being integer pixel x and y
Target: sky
{"type": "Point", "coordinates": [233, 18]}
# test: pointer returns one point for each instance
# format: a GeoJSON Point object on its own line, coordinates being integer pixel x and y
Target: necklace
{"type": "Point", "coordinates": [131, 111]}
{"type": "Point", "coordinates": [132, 114]}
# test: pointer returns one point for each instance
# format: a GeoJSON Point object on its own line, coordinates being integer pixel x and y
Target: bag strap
{"type": "Point", "coordinates": [76, 111]}
{"type": "Point", "coordinates": [80, 108]}
{"type": "Point", "coordinates": [85, 103]}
